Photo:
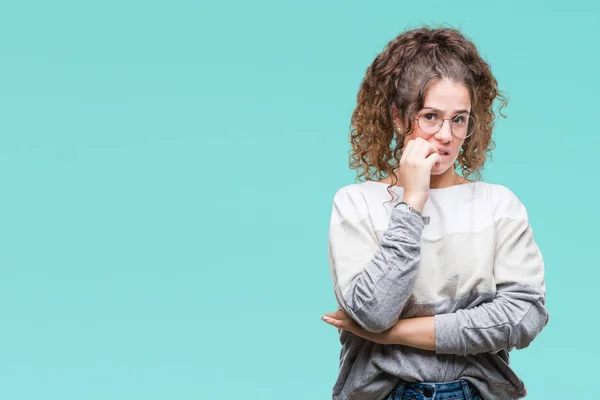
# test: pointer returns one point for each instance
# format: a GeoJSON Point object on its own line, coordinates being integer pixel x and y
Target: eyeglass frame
{"type": "Point", "coordinates": [451, 123]}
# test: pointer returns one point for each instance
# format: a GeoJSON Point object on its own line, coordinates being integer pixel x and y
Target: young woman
{"type": "Point", "coordinates": [437, 284]}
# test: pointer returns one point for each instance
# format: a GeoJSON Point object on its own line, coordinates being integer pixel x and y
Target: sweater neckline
{"type": "Point", "coordinates": [432, 190]}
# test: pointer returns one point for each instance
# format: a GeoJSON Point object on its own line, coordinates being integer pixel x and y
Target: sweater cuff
{"type": "Point", "coordinates": [408, 221]}
{"type": "Point", "coordinates": [447, 334]}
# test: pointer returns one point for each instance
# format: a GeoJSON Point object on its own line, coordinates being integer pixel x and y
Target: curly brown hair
{"type": "Point", "coordinates": [398, 79]}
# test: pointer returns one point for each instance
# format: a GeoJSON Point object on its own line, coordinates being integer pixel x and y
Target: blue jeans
{"type": "Point", "coordinates": [455, 390]}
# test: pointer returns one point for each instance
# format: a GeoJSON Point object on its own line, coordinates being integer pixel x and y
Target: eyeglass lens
{"type": "Point", "coordinates": [430, 122]}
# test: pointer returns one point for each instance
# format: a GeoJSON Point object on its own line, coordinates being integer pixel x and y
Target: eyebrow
{"type": "Point", "coordinates": [454, 112]}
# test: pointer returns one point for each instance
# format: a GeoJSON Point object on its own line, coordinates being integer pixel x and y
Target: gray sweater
{"type": "Point", "coordinates": [475, 266]}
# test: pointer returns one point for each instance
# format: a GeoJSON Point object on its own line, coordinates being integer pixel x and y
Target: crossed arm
{"type": "Point", "coordinates": [488, 327]}
{"type": "Point", "coordinates": [412, 332]}
{"type": "Point", "coordinates": [372, 292]}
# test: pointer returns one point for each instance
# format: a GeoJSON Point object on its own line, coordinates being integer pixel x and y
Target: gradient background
{"type": "Point", "coordinates": [167, 171]}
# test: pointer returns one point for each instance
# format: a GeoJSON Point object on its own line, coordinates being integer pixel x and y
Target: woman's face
{"type": "Point", "coordinates": [451, 100]}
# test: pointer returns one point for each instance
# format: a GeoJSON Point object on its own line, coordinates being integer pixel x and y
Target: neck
{"type": "Point", "coordinates": [448, 178]}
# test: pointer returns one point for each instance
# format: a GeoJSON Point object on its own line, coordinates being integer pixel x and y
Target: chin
{"type": "Point", "coordinates": [439, 170]}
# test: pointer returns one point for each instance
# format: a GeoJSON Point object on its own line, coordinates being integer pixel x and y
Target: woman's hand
{"type": "Point", "coordinates": [416, 163]}
{"type": "Point", "coordinates": [340, 319]}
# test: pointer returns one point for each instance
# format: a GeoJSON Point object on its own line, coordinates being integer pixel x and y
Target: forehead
{"type": "Point", "coordinates": [447, 96]}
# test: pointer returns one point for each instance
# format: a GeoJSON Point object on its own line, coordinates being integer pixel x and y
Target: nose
{"type": "Point", "coordinates": [445, 132]}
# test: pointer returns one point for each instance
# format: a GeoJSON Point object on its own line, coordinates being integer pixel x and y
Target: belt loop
{"type": "Point", "coordinates": [466, 389]}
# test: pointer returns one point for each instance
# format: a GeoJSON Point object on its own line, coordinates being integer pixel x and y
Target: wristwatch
{"type": "Point", "coordinates": [405, 206]}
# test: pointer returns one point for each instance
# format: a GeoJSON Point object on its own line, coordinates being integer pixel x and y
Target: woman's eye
{"type": "Point", "coordinates": [459, 120]}
{"type": "Point", "coordinates": [430, 116]}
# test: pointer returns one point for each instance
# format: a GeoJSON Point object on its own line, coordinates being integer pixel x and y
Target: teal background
{"type": "Point", "coordinates": [166, 178]}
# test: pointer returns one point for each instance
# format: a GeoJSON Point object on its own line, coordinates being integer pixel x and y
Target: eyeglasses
{"type": "Point", "coordinates": [431, 121]}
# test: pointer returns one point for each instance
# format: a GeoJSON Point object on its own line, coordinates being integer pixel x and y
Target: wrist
{"type": "Point", "coordinates": [395, 335]}
{"type": "Point", "coordinates": [415, 202]}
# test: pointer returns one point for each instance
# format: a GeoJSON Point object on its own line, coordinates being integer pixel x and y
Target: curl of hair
{"type": "Point", "coordinates": [398, 80]}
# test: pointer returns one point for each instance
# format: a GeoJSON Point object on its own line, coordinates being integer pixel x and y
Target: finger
{"type": "Point", "coordinates": [432, 148]}
{"type": "Point", "coordinates": [406, 150]}
{"type": "Point", "coordinates": [416, 151]}
{"type": "Point", "coordinates": [331, 314]}
{"type": "Point", "coordinates": [432, 159]}
{"type": "Point", "coordinates": [332, 321]}
{"type": "Point", "coordinates": [425, 149]}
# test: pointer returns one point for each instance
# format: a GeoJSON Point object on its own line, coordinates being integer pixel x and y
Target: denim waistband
{"type": "Point", "coordinates": [436, 389]}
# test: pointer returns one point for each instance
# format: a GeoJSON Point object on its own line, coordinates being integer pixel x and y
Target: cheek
{"type": "Point", "coordinates": [456, 148]}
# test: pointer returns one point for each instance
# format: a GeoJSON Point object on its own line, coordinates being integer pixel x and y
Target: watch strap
{"type": "Point", "coordinates": [414, 211]}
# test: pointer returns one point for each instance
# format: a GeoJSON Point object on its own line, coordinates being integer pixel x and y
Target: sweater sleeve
{"type": "Point", "coordinates": [372, 280]}
{"type": "Point", "coordinates": [517, 314]}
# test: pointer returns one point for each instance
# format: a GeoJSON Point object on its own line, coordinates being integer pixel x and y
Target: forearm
{"type": "Point", "coordinates": [412, 332]}
{"type": "Point", "coordinates": [462, 336]}
{"type": "Point", "coordinates": [512, 320]}
{"type": "Point", "coordinates": [375, 297]}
